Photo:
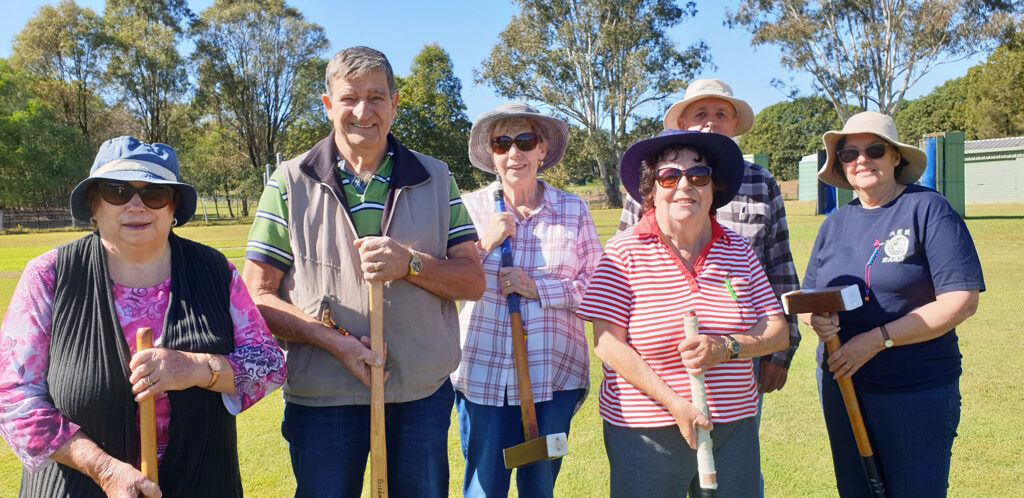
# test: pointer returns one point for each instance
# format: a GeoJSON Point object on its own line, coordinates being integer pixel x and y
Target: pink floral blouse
{"type": "Point", "coordinates": [29, 422]}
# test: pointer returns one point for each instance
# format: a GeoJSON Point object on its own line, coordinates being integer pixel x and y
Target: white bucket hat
{"type": "Point", "coordinates": [882, 126]}
{"type": "Point", "coordinates": [555, 133]}
{"type": "Point", "coordinates": [707, 89]}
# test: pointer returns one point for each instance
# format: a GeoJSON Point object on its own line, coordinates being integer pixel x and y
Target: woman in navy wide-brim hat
{"type": "Point", "coordinates": [678, 259]}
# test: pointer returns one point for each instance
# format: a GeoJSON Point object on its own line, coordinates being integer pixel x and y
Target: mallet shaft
{"type": "Point", "coordinates": [147, 416]}
{"type": "Point", "coordinates": [378, 442]}
{"type": "Point", "coordinates": [705, 457]}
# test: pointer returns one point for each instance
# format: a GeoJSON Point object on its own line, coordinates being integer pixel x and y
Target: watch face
{"type": "Point", "coordinates": [888, 343]}
{"type": "Point", "coordinates": [414, 264]}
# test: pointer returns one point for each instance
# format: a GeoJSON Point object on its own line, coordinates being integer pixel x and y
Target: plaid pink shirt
{"type": "Point", "coordinates": [557, 246]}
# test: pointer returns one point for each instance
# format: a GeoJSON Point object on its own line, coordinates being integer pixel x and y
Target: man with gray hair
{"type": "Point", "coordinates": [360, 207]}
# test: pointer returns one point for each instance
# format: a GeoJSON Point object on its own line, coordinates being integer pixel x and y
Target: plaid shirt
{"type": "Point", "coordinates": [757, 213]}
{"type": "Point", "coordinates": [557, 246]}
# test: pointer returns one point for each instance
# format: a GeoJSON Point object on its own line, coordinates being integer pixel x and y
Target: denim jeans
{"type": "Point", "coordinates": [656, 461]}
{"type": "Point", "coordinates": [911, 434]}
{"type": "Point", "coordinates": [486, 431]}
{"type": "Point", "coordinates": [329, 446]}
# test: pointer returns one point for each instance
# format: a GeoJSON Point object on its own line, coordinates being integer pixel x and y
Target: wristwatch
{"type": "Point", "coordinates": [415, 265]}
{"type": "Point", "coordinates": [886, 341]}
{"type": "Point", "coordinates": [214, 370]}
{"type": "Point", "coordinates": [734, 347]}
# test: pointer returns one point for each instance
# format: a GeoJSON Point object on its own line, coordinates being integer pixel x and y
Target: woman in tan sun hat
{"type": "Point", "coordinates": [554, 248]}
{"type": "Point", "coordinates": [915, 264]}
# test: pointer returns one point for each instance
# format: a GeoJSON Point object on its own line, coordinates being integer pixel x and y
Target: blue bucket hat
{"type": "Point", "coordinates": [127, 159]}
{"type": "Point", "coordinates": [723, 152]}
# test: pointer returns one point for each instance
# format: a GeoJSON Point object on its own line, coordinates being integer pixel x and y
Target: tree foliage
{"type": "Point", "coordinates": [432, 116]}
{"type": "Point", "coordinates": [866, 53]}
{"type": "Point", "coordinates": [996, 94]}
{"type": "Point", "coordinates": [257, 64]}
{"type": "Point", "coordinates": [787, 131]}
{"type": "Point", "coordinates": [944, 109]}
{"type": "Point", "coordinates": [595, 62]}
{"type": "Point", "coordinates": [148, 72]}
{"type": "Point", "coordinates": [41, 159]}
{"type": "Point", "coordinates": [64, 49]}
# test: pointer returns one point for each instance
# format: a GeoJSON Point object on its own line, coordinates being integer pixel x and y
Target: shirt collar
{"type": "Point", "coordinates": [647, 227]}
{"type": "Point", "coordinates": [547, 200]}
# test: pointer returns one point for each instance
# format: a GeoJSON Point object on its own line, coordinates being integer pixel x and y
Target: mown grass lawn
{"type": "Point", "coordinates": [794, 449]}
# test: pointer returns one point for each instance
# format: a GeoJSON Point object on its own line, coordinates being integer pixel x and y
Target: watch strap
{"type": "Point", "coordinates": [415, 265]}
{"type": "Point", "coordinates": [214, 370]}
{"type": "Point", "coordinates": [734, 347]}
{"type": "Point", "coordinates": [886, 340]}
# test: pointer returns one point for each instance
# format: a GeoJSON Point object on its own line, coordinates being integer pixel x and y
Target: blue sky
{"type": "Point", "coordinates": [468, 30]}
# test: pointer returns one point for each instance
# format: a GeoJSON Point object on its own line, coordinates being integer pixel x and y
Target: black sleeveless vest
{"type": "Point", "coordinates": [88, 372]}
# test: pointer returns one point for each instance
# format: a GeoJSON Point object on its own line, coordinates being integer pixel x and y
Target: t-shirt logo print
{"type": "Point", "coordinates": [897, 245]}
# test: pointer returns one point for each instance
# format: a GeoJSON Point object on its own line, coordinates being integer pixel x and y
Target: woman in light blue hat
{"type": "Point", "coordinates": [70, 377]}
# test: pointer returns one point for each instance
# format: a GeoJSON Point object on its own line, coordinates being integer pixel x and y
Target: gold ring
{"type": "Point", "coordinates": [376, 266]}
{"type": "Point", "coordinates": [508, 283]}
{"type": "Point", "coordinates": [149, 383]}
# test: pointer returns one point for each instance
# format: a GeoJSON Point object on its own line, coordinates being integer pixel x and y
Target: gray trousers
{"type": "Point", "coordinates": [657, 462]}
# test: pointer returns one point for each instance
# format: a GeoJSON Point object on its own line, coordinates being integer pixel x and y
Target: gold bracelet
{"type": "Point", "coordinates": [214, 370]}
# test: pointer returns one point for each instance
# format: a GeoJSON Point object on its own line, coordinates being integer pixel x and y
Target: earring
{"type": "Point", "coordinates": [540, 164]}
{"type": "Point", "coordinates": [174, 222]}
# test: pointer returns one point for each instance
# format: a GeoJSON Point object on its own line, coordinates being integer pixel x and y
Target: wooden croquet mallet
{"type": "Point", "coordinates": [536, 448]}
{"type": "Point", "coordinates": [147, 415]}
{"type": "Point", "coordinates": [831, 300]}
{"type": "Point", "coordinates": [705, 457]}
{"type": "Point", "coordinates": [378, 442]}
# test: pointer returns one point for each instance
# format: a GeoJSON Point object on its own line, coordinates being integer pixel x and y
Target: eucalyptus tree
{"type": "Point", "coordinates": [597, 63]}
{"type": "Point", "coordinates": [255, 59]}
{"type": "Point", "coordinates": [148, 73]}
{"type": "Point", "coordinates": [866, 54]}
{"type": "Point", "coordinates": [63, 48]}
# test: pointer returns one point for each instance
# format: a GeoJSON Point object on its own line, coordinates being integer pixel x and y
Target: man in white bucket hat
{"type": "Point", "coordinates": [756, 212]}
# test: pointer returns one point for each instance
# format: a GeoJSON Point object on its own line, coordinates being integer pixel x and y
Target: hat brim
{"type": "Point", "coordinates": [555, 130]}
{"type": "Point", "coordinates": [722, 151]}
{"type": "Point", "coordinates": [916, 159]}
{"type": "Point", "coordinates": [82, 211]}
{"type": "Point", "coordinates": [743, 111]}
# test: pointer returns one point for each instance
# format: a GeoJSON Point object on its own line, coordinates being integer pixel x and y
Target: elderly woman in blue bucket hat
{"type": "Point", "coordinates": [70, 376]}
{"type": "Point", "coordinates": [677, 259]}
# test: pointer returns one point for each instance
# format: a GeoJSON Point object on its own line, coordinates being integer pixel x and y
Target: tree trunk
{"type": "Point", "coordinates": [227, 197]}
{"type": "Point", "coordinates": [216, 206]}
{"type": "Point", "coordinates": [610, 180]}
{"type": "Point", "coordinates": [245, 206]}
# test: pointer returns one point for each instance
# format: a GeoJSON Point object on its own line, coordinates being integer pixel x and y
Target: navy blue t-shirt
{"type": "Point", "coordinates": [924, 250]}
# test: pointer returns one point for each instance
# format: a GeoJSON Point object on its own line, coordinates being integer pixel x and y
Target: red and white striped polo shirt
{"type": "Point", "coordinates": [642, 286]}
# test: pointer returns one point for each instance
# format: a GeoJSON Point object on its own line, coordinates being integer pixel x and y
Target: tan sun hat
{"type": "Point", "coordinates": [706, 89]}
{"type": "Point", "coordinates": [913, 159]}
{"type": "Point", "coordinates": [555, 132]}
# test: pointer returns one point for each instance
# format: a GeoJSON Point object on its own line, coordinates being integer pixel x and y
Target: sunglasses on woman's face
{"type": "Point", "coordinates": [698, 176]}
{"type": "Point", "coordinates": [873, 151]}
{"type": "Point", "coordinates": [524, 141]}
{"type": "Point", "coordinates": [119, 193]}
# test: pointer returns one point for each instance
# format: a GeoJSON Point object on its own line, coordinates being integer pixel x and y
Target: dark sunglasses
{"type": "Point", "coordinates": [524, 141]}
{"type": "Point", "coordinates": [874, 151]}
{"type": "Point", "coordinates": [699, 176]}
{"type": "Point", "coordinates": [154, 196]}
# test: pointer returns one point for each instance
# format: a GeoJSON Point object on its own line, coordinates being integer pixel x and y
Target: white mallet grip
{"type": "Point", "coordinates": [705, 459]}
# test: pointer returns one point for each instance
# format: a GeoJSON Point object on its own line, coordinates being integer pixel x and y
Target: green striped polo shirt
{"type": "Point", "coordinates": [268, 237]}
